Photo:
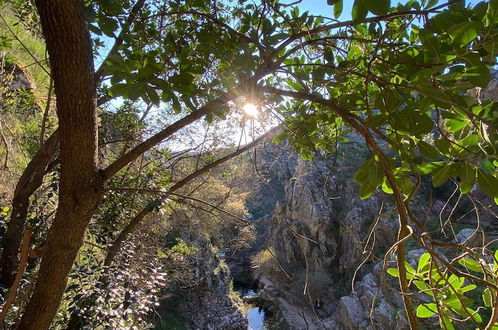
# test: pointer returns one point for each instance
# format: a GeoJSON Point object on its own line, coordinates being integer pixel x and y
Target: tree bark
{"type": "Point", "coordinates": [80, 189]}
{"type": "Point", "coordinates": [30, 180]}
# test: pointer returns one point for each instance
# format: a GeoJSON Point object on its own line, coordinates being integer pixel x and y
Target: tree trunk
{"type": "Point", "coordinates": [30, 180]}
{"type": "Point", "coordinates": [80, 189]}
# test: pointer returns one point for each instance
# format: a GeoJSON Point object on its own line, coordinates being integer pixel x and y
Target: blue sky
{"type": "Point", "coordinates": [320, 7]}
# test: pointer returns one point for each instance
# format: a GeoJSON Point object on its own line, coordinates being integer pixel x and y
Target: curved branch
{"type": "Point", "coordinates": [30, 180]}
{"type": "Point", "coordinates": [20, 272]}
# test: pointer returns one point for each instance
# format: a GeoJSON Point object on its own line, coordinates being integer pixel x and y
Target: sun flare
{"type": "Point", "coordinates": [250, 109]}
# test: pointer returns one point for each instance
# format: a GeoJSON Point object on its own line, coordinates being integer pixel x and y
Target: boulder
{"type": "Point", "coordinates": [469, 237]}
{"type": "Point", "coordinates": [351, 312]}
{"type": "Point", "coordinates": [384, 315]}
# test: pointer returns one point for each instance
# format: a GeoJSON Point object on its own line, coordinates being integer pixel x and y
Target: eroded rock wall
{"type": "Point", "coordinates": [318, 234]}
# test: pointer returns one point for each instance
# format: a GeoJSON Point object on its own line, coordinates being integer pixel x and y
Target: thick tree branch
{"type": "Point", "coordinates": [134, 153]}
{"type": "Point", "coordinates": [28, 183]}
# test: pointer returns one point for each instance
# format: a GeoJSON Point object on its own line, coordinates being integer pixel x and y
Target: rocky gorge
{"type": "Point", "coordinates": [322, 259]}
{"type": "Point", "coordinates": [318, 259]}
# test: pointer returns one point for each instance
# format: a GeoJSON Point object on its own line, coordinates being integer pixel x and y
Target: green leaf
{"type": "Point", "coordinates": [487, 298]}
{"type": "Point", "coordinates": [328, 55]}
{"type": "Point", "coordinates": [118, 90]}
{"type": "Point", "coordinates": [426, 310]}
{"type": "Point", "coordinates": [454, 125]}
{"type": "Point", "coordinates": [338, 8]}
{"type": "Point", "coordinates": [108, 25]}
{"type": "Point", "coordinates": [492, 12]}
{"type": "Point", "coordinates": [474, 314]}
{"type": "Point", "coordinates": [470, 140]}
{"type": "Point", "coordinates": [423, 262]}
{"type": "Point", "coordinates": [428, 151]}
{"type": "Point", "coordinates": [405, 184]}
{"type": "Point", "coordinates": [479, 75]}
{"type": "Point", "coordinates": [432, 47]}
{"type": "Point", "coordinates": [413, 122]}
{"type": "Point", "coordinates": [267, 27]}
{"type": "Point", "coordinates": [443, 146]}
{"type": "Point", "coordinates": [488, 183]}
{"type": "Point", "coordinates": [467, 175]}
{"type": "Point", "coordinates": [443, 21]}
{"type": "Point", "coordinates": [136, 90]}
{"type": "Point", "coordinates": [470, 264]}
{"type": "Point", "coordinates": [279, 137]}
{"type": "Point", "coordinates": [386, 187]}
{"type": "Point", "coordinates": [153, 96]}
{"type": "Point", "coordinates": [422, 286]}
{"type": "Point", "coordinates": [410, 271]}
{"type": "Point", "coordinates": [177, 108]}
{"type": "Point", "coordinates": [183, 78]}
{"type": "Point", "coordinates": [360, 11]}
{"type": "Point", "coordinates": [456, 281]}
{"type": "Point", "coordinates": [112, 7]}
{"type": "Point", "coordinates": [370, 175]}
{"type": "Point", "coordinates": [306, 155]}
{"type": "Point", "coordinates": [427, 168]}
{"type": "Point", "coordinates": [295, 85]}
{"type": "Point", "coordinates": [367, 189]}
{"type": "Point", "coordinates": [362, 173]}
{"type": "Point", "coordinates": [468, 288]}
{"type": "Point", "coordinates": [446, 323]}
{"type": "Point", "coordinates": [463, 33]}
{"type": "Point", "coordinates": [379, 7]}
{"type": "Point", "coordinates": [442, 175]}
{"type": "Point", "coordinates": [377, 120]}
{"type": "Point", "coordinates": [394, 272]}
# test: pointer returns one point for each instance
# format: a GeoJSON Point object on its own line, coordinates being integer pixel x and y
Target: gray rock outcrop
{"type": "Point", "coordinates": [318, 232]}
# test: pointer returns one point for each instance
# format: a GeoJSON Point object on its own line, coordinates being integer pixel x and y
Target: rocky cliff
{"type": "Point", "coordinates": [317, 233]}
{"type": "Point", "coordinates": [323, 258]}
{"type": "Point", "coordinates": [321, 238]}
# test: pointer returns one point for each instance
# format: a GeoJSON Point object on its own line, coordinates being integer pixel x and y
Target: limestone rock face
{"type": "Point", "coordinates": [371, 307]}
{"type": "Point", "coordinates": [17, 76]}
{"type": "Point", "coordinates": [491, 91]}
{"type": "Point", "coordinates": [318, 233]}
{"type": "Point", "coordinates": [351, 313]}
{"type": "Point", "coordinates": [323, 218]}
{"type": "Point", "coordinates": [470, 237]}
